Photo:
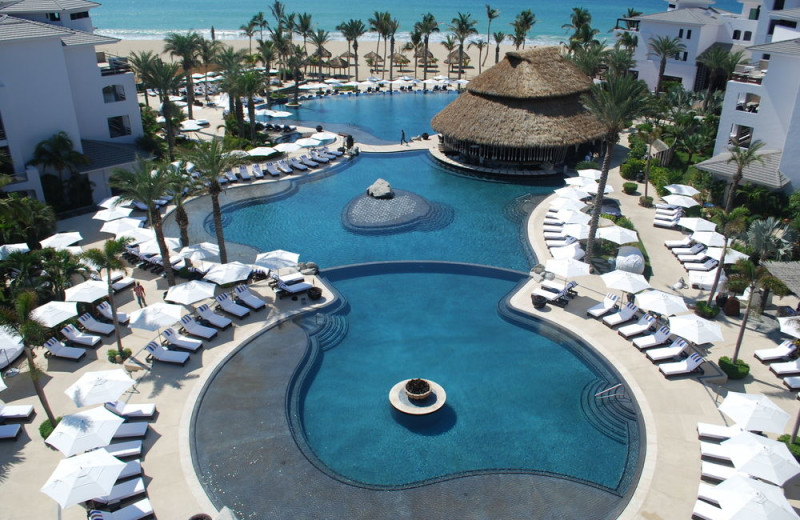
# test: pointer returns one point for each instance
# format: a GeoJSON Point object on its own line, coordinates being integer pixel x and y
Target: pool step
{"type": "Point", "coordinates": [439, 217]}
{"type": "Point", "coordinates": [330, 329]}
{"type": "Point", "coordinates": [518, 209]}
{"type": "Point", "coordinates": [611, 416]}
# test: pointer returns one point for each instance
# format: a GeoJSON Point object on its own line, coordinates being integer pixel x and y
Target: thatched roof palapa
{"type": "Point", "coordinates": [337, 63]}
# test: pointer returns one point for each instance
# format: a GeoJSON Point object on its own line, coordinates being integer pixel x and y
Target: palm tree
{"type": "Point", "coordinates": [378, 24]}
{"type": "Point", "coordinates": [212, 160]}
{"type": "Point", "coordinates": [414, 45]}
{"type": "Point", "coordinates": [631, 13]}
{"type": "Point", "coordinates": [450, 44]}
{"type": "Point", "coordinates": [266, 55]}
{"type": "Point", "coordinates": [480, 45]}
{"type": "Point", "coordinates": [619, 61]}
{"type": "Point", "coordinates": [147, 182]}
{"type": "Point", "coordinates": [664, 47]}
{"type": "Point", "coordinates": [249, 30]}
{"type": "Point", "coordinates": [499, 37]}
{"type": "Point", "coordinates": [250, 83]}
{"type": "Point", "coordinates": [628, 40]}
{"type": "Point", "coordinates": [181, 186]}
{"type": "Point", "coordinates": [58, 152]}
{"type": "Point", "coordinates": [427, 26]}
{"type": "Point", "coordinates": [186, 47]}
{"type": "Point", "coordinates": [491, 14]}
{"type": "Point", "coordinates": [26, 219]}
{"type": "Point", "coordinates": [319, 38]}
{"type": "Point", "coordinates": [278, 10]}
{"type": "Point", "coordinates": [58, 269]}
{"type": "Point", "coordinates": [32, 332]}
{"type": "Point", "coordinates": [141, 63]}
{"type": "Point", "coordinates": [166, 79]}
{"type": "Point", "coordinates": [304, 28]}
{"type": "Point", "coordinates": [589, 59]}
{"type": "Point", "coordinates": [352, 30]}
{"type": "Point", "coordinates": [743, 158]}
{"type": "Point", "coordinates": [391, 29]}
{"type": "Point", "coordinates": [693, 143]}
{"type": "Point", "coordinates": [584, 37]}
{"type": "Point", "coordinates": [463, 26]}
{"type": "Point", "coordinates": [730, 225]}
{"type": "Point", "coordinates": [614, 103]}
{"type": "Point", "coordinates": [720, 62]}
{"type": "Point", "coordinates": [207, 55]}
{"type": "Point", "coordinates": [295, 61]}
{"type": "Point", "coordinates": [522, 24]}
{"type": "Point", "coordinates": [770, 238]}
{"type": "Point", "coordinates": [110, 259]}
{"type": "Point", "coordinates": [580, 16]}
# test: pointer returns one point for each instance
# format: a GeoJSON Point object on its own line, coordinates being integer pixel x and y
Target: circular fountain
{"type": "Point", "coordinates": [417, 396]}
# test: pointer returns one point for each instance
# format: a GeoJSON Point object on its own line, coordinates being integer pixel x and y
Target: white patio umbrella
{"type": "Point", "coordinates": [682, 189]}
{"type": "Point", "coordinates": [287, 147]}
{"type": "Point", "coordinates": [566, 267]}
{"type": "Point", "coordinates": [697, 224]}
{"type": "Point", "coordinates": [574, 250]}
{"type": "Point", "coordinates": [565, 203]}
{"type": "Point", "coordinates": [155, 316]}
{"type": "Point", "coordinates": [568, 216]}
{"type": "Point", "coordinates": [277, 259]}
{"type": "Point", "coordinates": [83, 477]}
{"type": "Point", "coordinates": [7, 249]}
{"type": "Point", "coordinates": [112, 213]}
{"type": "Point", "coordinates": [790, 326]}
{"type": "Point", "coordinates": [280, 113]}
{"type": "Point", "coordinates": [660, 302]}
{"type": "Point", "coordinates": [88, 291]}
{"type": "Point", "coordinates": [680, 200]}
{"type": "Point", "coordinates": [52, 313]}
{"type": "Point", "coordinates": [121, 225]}
{"type": "Point", "coordinates": [84, 431]}
{"type": "Point", "coordinates": [744, 498]}
{"type": "Point", "coordinates": [110, 202]}
{"type": "Point", "coordinates": [10, 348]}
{"type": "Point", "coordinates": [324, 137]}
{"type": "Point", "coordinates": [731, 255]}
{"type": "Point", "coordinates": [579, 231]}
{"type": "Point", "coordinates": [61, 240]}
{"type": "Point", "coordinates": [594, 188]}
{"type": "Point", "coordinates": [762, 458]}
{"type": "Point", "coordinates": [222, 274]}
{"type": "Point", "coordinates": [590, 173]}
{"type": "Point", "coordinates": [579, 182]}
{"type": "Point", "coordinates": [709, 238]}
{"type": "Point", "coordinates": [618, 234]}
{"type": "Point", "coordinates": [307, 142]}
{"type": "Point", "coordinates": [201, 251]}
{"type": "Point", "coordinates": [261, 151]}
{"type": "Point", "coordinates": [625, 281]}
{"type": "Point", "coordinates": [100, 386]}
{"type": "Point", "coordinates": [151, 246]}
{"type": "Point", "coordinates": [2, 387]}
{"type": "Point", "coordinates": [754, 412]}
{"type": "Point", "coordinates": [695, 329]}
{"type": "Point", "coordinates": [570, 192]}
{"type": "Point", "coordinates": [190, 292]}
{"type": "Point", "coordinates": [138, 235]}
{"type": "Point", "coordinates": [190, 125]}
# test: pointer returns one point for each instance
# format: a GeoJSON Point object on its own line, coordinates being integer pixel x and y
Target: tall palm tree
{"type": "Point", "coordinates": [589, 59]}
{"type": "Point", "coordinates": [147, 182]}
{"type": "Point", "coordinates": [378, 24]}
{"type": "Point", "coordinates": [463, 26]}
{"type": "Point", "coordinates": [32, 332]}
{"type": "Point", "coordinates": [392, 27]}
{"type": "Point", "coordinates": [58, 152]}
{"type": "Point", "coordinates": [743, 158]}
{"type": "Point", "coordinates": [628, 40]}
{"type": "Point", "coordinates": [480, 45]}
{"type": "Point", "coordinates": [491, 14]}
{"type": "Point", "coordinates": [319, 38]}
{"type": "Point", "coordinates": [580, 16]}
{"type": "Point", "coordinates": [730, 225]}
{"type": "Point", "coordinates": [304, 27]}
{"type": "Point", "coordinates": [616, 102]}
{"type": "Point", "coordinates": [584, 37]}
{"type": "Point", "coordinates": [260, 22]}
{"type": "Point", "coordinates": [249, 30]}
{"type": "Point", "coordinates": [450, 44]}
{"type": "Point", "coordinates": [427, 26]}
{"type": "Point", "coordinates": [141, 63]}
{"type": "Point", "coordinates": [278, 10]}
{"type": "Point", "coordinates": [207, 55]}
{"type": "Point", "coordinates": [664, 47]}
{"type": "Point", "coordinates": [212, 160]}
{"type": "Point", "coordinates": [414, 45]}
{"type": "Point", "coordinates": [26, 219]}
{"type": "Point", "coordinates": [522, 24]}
{"type": "Point", "coordinates": [58, 269]}
{"type": "Point", "coordinates": [619, 61]}
{"type": "Point", "coordinates": [499, 37]}
{"type": "Point", "coordinates": [109, 258]}
{"type": "Point", "coordinates": [186, 47]}
{"type": "Point", "coordinates": [720, 62]}
{"type": "Point", "coordinates": [352, 30]}
{"type": "Point", "coordinates": [181, 187]}
{"type": "Point", "coordinates": [295, 61]}
{"type": "Point", "coordinates": [166, 79]}
{"type": "Point", "coordinates": [632, 12]}
{"type": "Point", "coordinates": [266, 55]}
{"type": "Point", "coordinates": [250, 84]}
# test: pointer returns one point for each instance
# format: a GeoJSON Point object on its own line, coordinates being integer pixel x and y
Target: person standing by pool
{"type": "Point", "coordinates": [403, 139]}
{"type": "Point", "coordinates": [138, 290]}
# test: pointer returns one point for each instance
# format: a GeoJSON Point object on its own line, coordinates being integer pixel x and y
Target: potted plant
{"type": "Point", "coordinates": [418, 389]}
{"type": "Point", "coordinates": [630, 188]}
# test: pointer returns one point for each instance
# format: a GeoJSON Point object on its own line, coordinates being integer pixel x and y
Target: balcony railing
{"type": "Point", "coordinates": [110, 70]}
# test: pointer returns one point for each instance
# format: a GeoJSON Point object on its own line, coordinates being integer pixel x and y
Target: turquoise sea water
{"type": "Point", "coordinates": [151, 19]}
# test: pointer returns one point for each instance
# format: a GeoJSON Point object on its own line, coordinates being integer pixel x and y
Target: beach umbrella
{"type": "Point", "coordinates": [52, 313]}
{"type": "Point", "coordinates": [261, 151]}
{"type": "Point", "coordinates": [565, 203]}
{"type": "Point", "coordinates": [137, 235]}
{"type": "Point", "coordinates": [277, 259]}
{"type": "Point", "coordinates": [432, 82]}
{"type": "Point", "coordinates": [307, 142]}
{"type": "Point", "coordinates": [573, 250]}
{"type": "Point", "coordinates": [744, 498]}
{"type": "Point", "coordinates": [84, 477]}
{"type": "Point", "coordinates": [695, 329]}
{"type": "Point", "coordinates": [570, 192]}
{"type": "Point", "coordinates": [287, 147]}
{"type": "Point", "coordinates": [151, 246]}
{"type": "Point", "coordinates": [567, 267]}
{"type": "Point", "coordinates": [697, 224]}
{"type": "Point", "coordinates": [618, 234]}
{"type": "Point", "coordinates": [709, 238]}
{"type": "Point", "coordinates": [7, 249]}
{"type": "Point", "coordinates": [568, 216]}
{"type": "Point", "coordinates": [680, 200]}
{"type": "Point", "coordinates": [731, 255]}
{"type": "Point", "coordinates": [121, 224]}
{"type": "Point", "coordinates": [754, 412]}
{"type": "Point", "coordinates": [155, 316]}
{"type": "Point", "coordinates": [101, 386]}
{"type": "Point", "coordinates": [660, 302]}
{"type": "Point", "coordinates": [201, 251]}
{"type": "Point", "coordinates": [625, 281]}
{"type": "Point", "coordinates": [190, 292]}
{"type": "Point", "coordinates": [280, 113]}
{"type": "Point", "coordinates": [84, 431]}
{"type": "Point", "coordinates": [790, 326]}
{"type": "Point", "coordinates": [579, 231]}
{"type": "Point", "coordinates": [223, 274]}
{"type": "Point", "coordinates": [324, 137]}
{"type": "Point", "coordinates": [61, 240]}
{"type": "Point", "coordinates": [593, 188]}
{"type": "Point", "coordinates": [112, 213]}
{"type": "Point", "coordinates": [10, 346]}
{"type": "Point", "coordinates": [87, 292]}
{"type": "Point", "coordinates": [682, 189]}
{"type": "Point", "coordinates": [579, 182]}
{"type": "Point", "coordinates": [111, 202]}
{"type": "Point", "coordinates": [761, 457]}
{"type": "Point", "coordinates": [590, 173]}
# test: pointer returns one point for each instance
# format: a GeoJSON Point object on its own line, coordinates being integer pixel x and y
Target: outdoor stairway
{"type": "Point", "coordinates": [609, 415]}
{"type": "Point", "coordinates": [518, 209]}
{"type": "Point", "coordinates": [439, 217]}
{"type": "Point", "coordinates": [328, 329]}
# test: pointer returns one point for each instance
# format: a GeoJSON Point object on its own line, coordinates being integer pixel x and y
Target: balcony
{"type": "Point", "coordinates": [750, 73]}
{"type": "Point", "coordinates": [113, 65]}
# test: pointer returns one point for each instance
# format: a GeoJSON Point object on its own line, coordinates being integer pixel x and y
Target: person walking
{"type": "Point", "coordinates": [138, 290]}
{"type": "Point", "coordinates": [403, 139]}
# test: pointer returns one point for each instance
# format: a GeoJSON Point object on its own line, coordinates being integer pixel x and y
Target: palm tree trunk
{"type": "Point", "coordinates": [37, 385]}
{"type": "Point", "coordinates": [168, 127]}
{"type": "Point", "coordinates": [355, 57]}
{"type": "Point", "coordinates": [719, 273]}
{"type": "Point", "coordinates": [488, 41]}
{"type": "Point", "coordinates": [113, 305]}
{"type": "Point", "coordinates": [662, 66]}
{"type": "Point", "coordinates": [497, 54]}
{"type": "Point", "coordinates": [251, 114]}
{"type": "Point", "coordinates": [162, 246]}
{"type": "Point", "coordinates": [223, 254]}
{"type": "Point", "coordinates": [743, 326]}
{"type": "Point", "coordinates": [190, 93]}
{"type": "Point", "coordinates": [425, 62]}
{"type": "Point", "coordinates": [239, 115]}
{"type": "Point", "coordinates": [182, 218]}
{"type": "Point", "coordinates": [460, 58]}
{"type": "Point", "coordinates": [737, 178]}
{"type": "Point", "coordinates": [598, 200]}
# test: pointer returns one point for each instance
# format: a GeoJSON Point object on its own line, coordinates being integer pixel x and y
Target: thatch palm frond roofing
{"type": "Point", "coordinates": [372, 55]}
{"type": "Point", "coordinates": [337, 63]}
{"type": "Point", "coordinates": [787, 272]}
{"type": "Point", "coordinates": [540, 72]}
{"type": "Point", "coordinates": [766, 173]}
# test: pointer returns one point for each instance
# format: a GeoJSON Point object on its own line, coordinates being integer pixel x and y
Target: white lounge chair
{"type": "Point", "coordinates": [691, 250]}
{"type": "Point", "coordinates": [141, 509]}
{"type": "Point", "coordinates": [228, 305]}
{"type": "Point", "coordinates": [286, 168]}
{"type": "Point", "coordinates": [319, 158]}
{"type": "Point", "coordinates": [666, 223]}
{"type": "Point", "coordinates": [272, 169]}
{"type": "Point", "coordinates": [708, 492]}
{"type": "Point", "coordinates": [159, 353]}
{"type": "Point", "coordinates": [784, 350]}
{"type": "Point", "coordinates": [604, 307]}
{"type": "Point", "coordinates": [684, 242]}
{"type": "Point", "coordinates": [717, 431]}
{"type": "Point", "coordinates": [132, 411]}
{"type": "Point", "coordinates": [785, 368]}
{"type": "Point", "coordinates": [258, 173]}
{"type": "Point", "coordinates": [132, 468]}
{"type": "Point", "coordinates": [58, 349]}
{"type": "Point", "coordinates": [714, 471]}
{"type": "Point", "coordinates": [560, 243]}
{"type": "Point", "coordinates": [792, 382]}
{"type": "Point", "coordinates": [122, 491]}
{"type": "Point", "coordinates": [180, 341]}
{"type": "Point", "coordinates": [331, 151]}
{"type": "Point", "coordinates": [231, 176]}
{"type": "Point", "coordinates": [92, 325]}
{"type": "Point", "coordinates": [122, 283]}
{"type": "Point", "coordinates": [244, 173]}
{"type": "Point", "coordinates": [556, 235]}
{"type": "Point", "coordinates": [123, 450]}
{"type": "Point", "coordinates": [684, 366]}
{"type": "Point", "coordinates": [713, 450]}
{"type": "Point", "coordinates": [678, 347]}
{"type": "Point", "coordinates": [16, 412]}
{"type": "Point", "coordinates": [706, 511]}
{"type": "Point", "coordinates": [10, 431]}
{"type": "Point", "coordinates": [625, 314]}
{"type": "Point", "coordinates": [297, 288]}
{"type": "Point", "coordinates": [81, 338]}
{"type": "Point", "coordinates": [105, 310]}
{"type": "Point", "coordinates": [289, 278]}
{"type": "Point", "coordinates": [699, 257]}
{"type": "Point", "coordinates": [705, 266]}
{"type": "Point", "coordinates": [193, 328]}
{"type": "Point", "coordinates": [652, 340]}
{"type": "Point", "coordinates": [220, 322]}
{"type": "Point", "coordinates": [130, 430]}
{"type": "Point", "coordinates": [640, 327]}
{"type": "Point", "coordinates": [248, 298]}
{"type": "Point", "coordinates": [667, 212]}
{"type": "Point", "coordinates": [555, 228]}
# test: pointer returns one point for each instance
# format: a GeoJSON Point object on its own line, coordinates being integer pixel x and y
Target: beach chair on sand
{"type": "Point", "coordinates": [180, 341]}
{"type": "Point", "coordinates": [706, 511]}
{"type": "Point", "coordinates": [699, 257]}
{"type": "Point", "coordinates": [658, 338]}
{"type": "Point", "coordinates": [684, 242]}
{"type": "Point", "coordinates": [122, 491]}
{"type": "Point", "coordinates": [213, 319]}
{"type": "Point", "coordinates": [159, 353]}
{"type": "Point", "coordinates": [785, 368]}
{"type": "Point", "coordinates": [105, 310]}
{"type": "Point", "coordinates": [16, 412]}
{"type": "Point", "coordinates": [192, 328]}
{"type": "Point", "coordinates": [123, 450]}
{"type": "Point", "coordinates": [623, 315]}
{"type": "Point", "coordinates": [57, 349]}
{"type": "Point", "coordinates": [251, 300]}
{"type": "Point", "coordinates": [131, 430]}
{"type": "Point", "coordinates": [228, 305]}
{"type": "Point", "coordinates": [141, 509]}
{"type": "Point", "coordinates": [684, 366]}
{"type": "Point", "coordinates": [691, 250]}
{"type": "Point", "coordinates": [297, 165]}
{"type": "Point", "coordinates": [10, 431]}
{"type": "Point", "coordinates": [81, 338]}
{"type": "Point", "coordinates": [705, 266]}
{"type": "Point", "coordinates": [714, 471]}
{"type": "Point", "coordinates": [784, 350]}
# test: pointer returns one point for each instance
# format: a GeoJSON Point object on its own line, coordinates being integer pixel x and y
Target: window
{"type": "Point", "coordinates": [78, 16]}
{"type": "Point", "coordinates": [680, 33]}
{"type": "Point", "coordinates": [765, 57]}
{"type": "Point", "coordinates": [6, 166]}
{"type": "Point", "coordinates": [741, 136]}
{"type": "Point", "coordinates": [755, 13]}
{"type": "Point", "coordinates": [748, 35]}
{"type": "Point", "coordinates": [778, 5]}
{"type": "Point", "coordinates": [688, 34]}
{"type": "Point", "coordinates": [737, 34]}
{"type": "Point", "coordinates": [113, 93]}
{"type": "Point", "coordinates": [119, 126]}
{"type": "Point", "coordinates": [685, 56]}
{"type": "Point", "coordinates": [780, 23]}
{"type": "Point", "coordinates": [54, 17]}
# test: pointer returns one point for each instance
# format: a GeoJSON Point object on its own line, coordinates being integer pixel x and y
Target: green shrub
{"type": "Point", "coordinates": [631, 169]}
{"type": "Point", "coordinates": [704, 310]}
{"type": "Point", "coordinates": [625, 222]}
{"type": "Point", "coordinates": [734, 371]}
{"type": "Point", "coordinates": [646, 202]}
{"type": "Point", "coordinates": [630, 188]}
{"type": "Point", "coordinates": [587, 165]}
{"type": "Point", "coordinates": [793, 447]}
{"type": "Point", "coordinates": [45, 429]}
{"type": "Point", "coordinates": [125, 354]}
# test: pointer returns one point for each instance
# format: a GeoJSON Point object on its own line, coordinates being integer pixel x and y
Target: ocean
{"type": "Point", "coordinates": [152, 19]}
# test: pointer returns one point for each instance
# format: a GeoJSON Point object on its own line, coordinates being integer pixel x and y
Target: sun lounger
{"type": "Point", "coordinates": [122, 491]}
{"type": "Point", "coordinates": [664, 205]}
{"type": "Point", "coordinates": [81, 338]}
{"type": "Point", "coordinates": [159, 353]}
{"type": "Point", "coordinates": [792, 382]}
{"type": "Point", "coordinates": [560, 243]}
{"type": "Point", "coordinates": [193, 328]}
{"type": "Point", "coordinates": [272, 169]}
{"type": "Point", "coordinates": [712, 450]}
{"type": "Point", "coordinates": [705, 266]}
{"type": "Point", "coordinates": [319, 158]}
{"type": "Point", "coordinates": [331, 151]}
{"type": "Point", "coordinates": [58, 349]}
{"type": "Point", "coordinates": [286, 167]}
{"type": "Point", "coordinates": [717, 431]}
{"type": "Point", "coordinates": [133, 468]}
{"type": "Point", "coordinates": [222, 180]}
{"type": "Point", "coordinates": [552, 221]}
{"type": "Point", "coordinates": [244, 174]}
{"type": "Point", "coordinates": [669, 210]}
{"type": "Point", "coordinates": [785, 368]}
{"type": "Point", "coordinates": [556, 235]}
{"type": "Point", "coordinates": [123, 450]}
{"type": "Point", "coordinates": [288, 279]}
{"type": "Point", "coordinates": [180, 341]}
{"type": "Point", "coordinates": [92, 325]}
{"type": "Point", "coordinates": [784, 350]}
{"type": "Point", "coordinates": [706, 511]}
{"type": "Point", "coordinates": [16, 412]}
{"type": "Point", "coordinates": [704, 279]}
{"type": "Point", "coordinates": [699, 257]}
{"type": "Point", "coordinates": [708, 492]}
{"type": "Point", "coordinates": [551, 228]}
{"type": "Point", "coordinates": [691, 250]}
{"type": "Point", "coordinates": [715, 471]}
{"type": "Point", "coordinates": [214, 319]}
{"type": "Point", "coordinates": [652, 340]}
{"type": "Point", "coordinates": [684, 366]}
{"type": "Point", "coordinates": [558, 286]}
{"type": "Point", "coordinates": [640, 327]}
{"type": "Point", "coordinates": [229, 306]}
{"type": "Point", "coordinates": [283, 289]}
{"type": "Point", "coordinates": [684, 242]}
{"type": "Point", "coordinates": [258, 173]}
{"type": "Point", "coordinates": [666, 223]}
{"type": "Point", "coordinates": [10, 431]}
{"type": "Point", "coordinates": [132, 411]}
{"type": "Point", "coordinates": [231, 176]}
{"type": "Point", "coordinates": [308, 162]}
{"type": "Point", "coordinates": [678, 347]}
{"type": "Point", "coordinates": [604, 307]}
{"type": "Point", "coordinates": [251, 300]}
{"type": "Point", "coordinates": [625, 314]}
{"type": "Point", "coordinates": [122, 283]}
{"type": "Point", "coordinates": [132, 430]}
{"type": "Point", "coordinates": [141, 509]}
{"type": "Point", "coordinates": [105, 310]}
{"type": "Point", "coordinates": [297, 165]}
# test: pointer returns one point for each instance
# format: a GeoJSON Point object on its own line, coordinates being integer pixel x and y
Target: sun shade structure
{"type": "Point", "coordinates": [99, 387]}
{"type": "Point", "coordinates": [84, 431]}
{"type": "Point", "coordinates": [524, 111]}
{"type": "Point", "coordinates": [83, 477]}
{"type": "Point", "coordinates": [52, 313]}
{"type": "Point", "coordinates": [754, 412]}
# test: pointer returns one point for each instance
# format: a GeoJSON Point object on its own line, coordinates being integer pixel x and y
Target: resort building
{"type": "Point", "coordinates": [53, 80]}
{"type": "Point", "coordinates": [522, 116]}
